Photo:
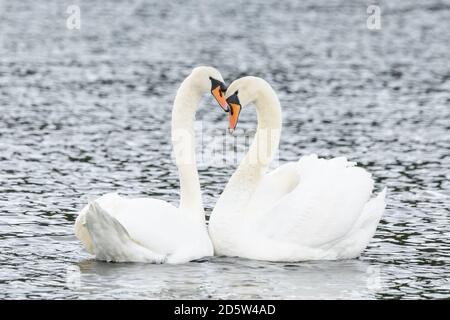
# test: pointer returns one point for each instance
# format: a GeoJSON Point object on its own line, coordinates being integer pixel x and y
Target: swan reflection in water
{"type": "Point", "coordinates": [230, 278]}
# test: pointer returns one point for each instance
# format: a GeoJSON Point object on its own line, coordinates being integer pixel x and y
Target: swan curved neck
{"type": "Point", "coordinates": [253, 166]}
{"type": "Point", "coordinates": [183, 141]}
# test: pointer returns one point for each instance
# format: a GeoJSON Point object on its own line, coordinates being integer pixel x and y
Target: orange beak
{"type": "Point", "coordinates": [219, 95]}
{"type": "Point", "coordinates": [218, 89]}
{"type": "Point", "coordinates": [233, 115]}
{"type": "Point", "coordinates": [235, 110]}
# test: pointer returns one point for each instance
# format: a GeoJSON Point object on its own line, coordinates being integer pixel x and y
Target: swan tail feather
{"type": "Point", "coordinates": [111, 241]}
{"type": "Point", "coordinates": [82, 232]}
{"type": "Point", "coordinates": [373, 210]}
{"type": "Point", "coordinates": [364, 228]}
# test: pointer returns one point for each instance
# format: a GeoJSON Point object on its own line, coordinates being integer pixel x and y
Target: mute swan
{"type": "Point", "coordinates": [307, 210]}
{"type": "Point", "coordinates": [114, 228]}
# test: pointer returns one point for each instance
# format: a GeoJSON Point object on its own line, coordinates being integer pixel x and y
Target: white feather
{"type": "Point", "coordinates": [306, 210]}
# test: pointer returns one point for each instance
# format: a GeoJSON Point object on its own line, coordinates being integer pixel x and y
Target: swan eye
{"type": "Point", "coordinates": [234, 99]}
{"type": "Point", "coordinates": [214, 83]}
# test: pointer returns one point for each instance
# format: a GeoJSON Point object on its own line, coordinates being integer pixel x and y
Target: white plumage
{"type": "Point", "coordinates": [306, 210]}
{"type": "Point", "coordinates": [119, 229]}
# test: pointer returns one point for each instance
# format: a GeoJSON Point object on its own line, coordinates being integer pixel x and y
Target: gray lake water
{"type": "Point", "coordinates": [85, 112]}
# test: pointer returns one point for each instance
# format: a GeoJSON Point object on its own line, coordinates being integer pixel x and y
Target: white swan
{"type": "Point", "coordinates": [307, 210]}
{"type": "Point", "coordinates": [114, 228]}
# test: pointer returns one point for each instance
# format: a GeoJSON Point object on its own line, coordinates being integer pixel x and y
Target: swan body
{"type": "Point", "coordinates": [311, 209]}
{"type": "Point", "coordinates": [119, 229]}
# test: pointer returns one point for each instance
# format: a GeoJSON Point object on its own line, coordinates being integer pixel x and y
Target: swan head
{"type": "Point", "coordinates": [239, 94]}
{"type": "Point", "coordinates": [209, 79]}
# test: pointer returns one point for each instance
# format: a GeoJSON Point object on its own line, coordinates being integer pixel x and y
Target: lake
{"type": "Point", "coordinates": [87, 111]}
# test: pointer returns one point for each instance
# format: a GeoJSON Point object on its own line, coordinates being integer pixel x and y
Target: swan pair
{"type": "Point", "coordinates": [306, 210]}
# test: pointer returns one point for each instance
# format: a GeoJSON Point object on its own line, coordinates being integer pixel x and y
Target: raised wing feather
{"type": "Point", "coordinates": [112, 242]}
{"type": "Point", "coordinates": [154, 225]}
{"type": "Point", "coordinates": [323, 207]}
{"type": "Point", "coordinates": [274, 186]}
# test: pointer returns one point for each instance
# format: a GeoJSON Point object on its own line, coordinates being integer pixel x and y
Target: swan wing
{"type": "Point", "coordinates": [273, 186]}
{"type": "Point", "coordinates": [363, 230]}
{"type": "Point", "coordinates": [109, 201]}
{"type": "Point", "coordinates": [152, 224]}
{"type": "Point", "coordinates": [323, 207]}
{"type": "Point", "coordinates": [155, 224]}
{"type": "Point", "coordinates": [112, 242]}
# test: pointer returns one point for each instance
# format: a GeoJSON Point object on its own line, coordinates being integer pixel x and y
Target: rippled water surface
{"type": "Point", "coordinates": [84, 112]}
